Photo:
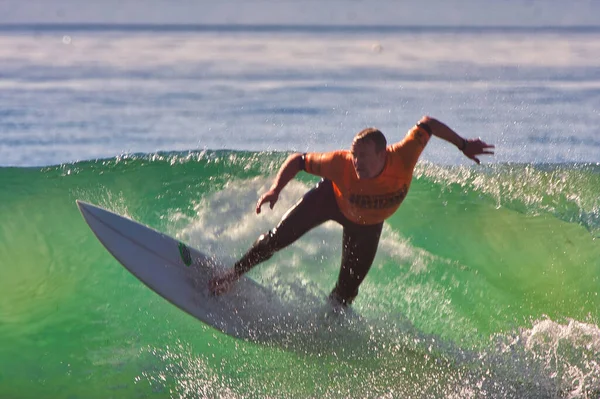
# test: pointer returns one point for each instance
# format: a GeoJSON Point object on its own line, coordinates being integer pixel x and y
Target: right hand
{"type": "Point", "coordinates": [270, 196]}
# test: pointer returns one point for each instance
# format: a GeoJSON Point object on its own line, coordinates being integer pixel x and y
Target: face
{"type": "Point", "coordinates": [368, 163]}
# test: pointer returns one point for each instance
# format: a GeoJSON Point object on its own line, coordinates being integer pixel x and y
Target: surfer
{"type": "Point", "coordinates": [360, 189]}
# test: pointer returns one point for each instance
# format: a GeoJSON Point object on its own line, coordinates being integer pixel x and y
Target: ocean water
{"type": "Point", "coordinates": [487, 279]}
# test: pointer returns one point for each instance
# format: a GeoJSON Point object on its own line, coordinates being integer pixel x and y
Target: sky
{"type": "Point", "coordinates": [306, 12]}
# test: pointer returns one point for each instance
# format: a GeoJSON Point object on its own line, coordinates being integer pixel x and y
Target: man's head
{"type": "Point", "coordinates": [368, 153]}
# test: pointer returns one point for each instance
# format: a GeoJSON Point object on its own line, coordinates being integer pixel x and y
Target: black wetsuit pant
{"type": "Point", "coordinates": [360, 242]}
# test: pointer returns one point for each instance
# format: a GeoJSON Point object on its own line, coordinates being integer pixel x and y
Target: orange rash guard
{"type": "Point", "coordinates": [370, 201]}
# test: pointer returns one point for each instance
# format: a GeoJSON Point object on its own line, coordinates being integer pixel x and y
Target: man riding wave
{"type": "Point", "coordinates": [360, 189]}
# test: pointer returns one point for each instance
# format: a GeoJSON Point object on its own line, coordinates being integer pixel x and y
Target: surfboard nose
{"type": "Point", "coordinates": [85, 208]}
{"type": "Point", "coordinates": [81, 205]}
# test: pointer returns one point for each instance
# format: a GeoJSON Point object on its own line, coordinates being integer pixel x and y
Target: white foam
{"type": "Point", "coordinates": [571, 352]}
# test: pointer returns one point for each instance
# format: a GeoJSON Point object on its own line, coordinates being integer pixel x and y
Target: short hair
{"type": "Point", "coordinates": [374, 135]}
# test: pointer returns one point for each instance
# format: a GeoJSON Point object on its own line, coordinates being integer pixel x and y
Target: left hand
{"type": "Point", "coordinates": [270, 196]}
{"type": "Point", "coordinates": [475, 147]}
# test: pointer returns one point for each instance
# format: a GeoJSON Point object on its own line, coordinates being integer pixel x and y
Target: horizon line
{"type": "Point", "coordinates": [297, 27]}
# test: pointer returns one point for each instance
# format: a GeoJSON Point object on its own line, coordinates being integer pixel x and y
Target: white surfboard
{"type": "Point", "coordinates": [180, 274]}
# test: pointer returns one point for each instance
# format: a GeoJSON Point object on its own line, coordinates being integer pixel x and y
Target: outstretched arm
{"type": "Point", "coordinates": [290, 168]}
{"type": "Point", "coordinates": [470, 147]}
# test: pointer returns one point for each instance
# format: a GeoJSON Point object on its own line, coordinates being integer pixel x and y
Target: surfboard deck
{"type": "Point", "coordinates": [180, 274]}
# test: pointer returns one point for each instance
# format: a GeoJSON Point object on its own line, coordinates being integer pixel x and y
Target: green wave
{"type": "Point", "coordinates": [476, 258]}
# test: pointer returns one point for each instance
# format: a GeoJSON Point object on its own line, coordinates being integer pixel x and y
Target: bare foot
{"type": "Point", "coordinates": [222, 283]}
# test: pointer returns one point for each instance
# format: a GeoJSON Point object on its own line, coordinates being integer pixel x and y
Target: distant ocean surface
{"type": "Point", "coordinates": [487, 280]}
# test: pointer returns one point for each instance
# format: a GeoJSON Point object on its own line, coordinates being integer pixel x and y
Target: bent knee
{"type": "Point", "coordinates": [268, 241]}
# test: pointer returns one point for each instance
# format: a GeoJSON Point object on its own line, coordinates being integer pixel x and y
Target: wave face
{"type": "Point", "coordinates": [485, 285]}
